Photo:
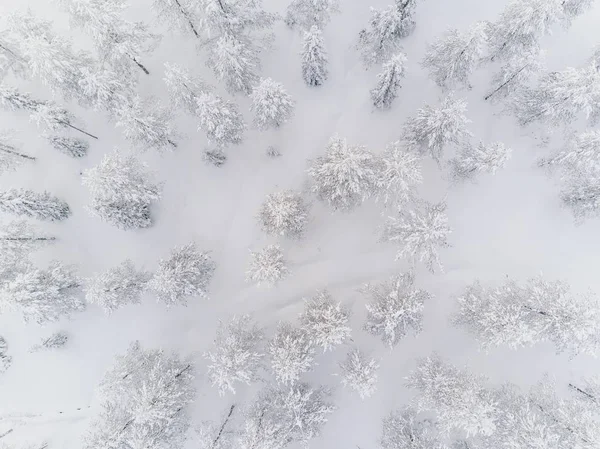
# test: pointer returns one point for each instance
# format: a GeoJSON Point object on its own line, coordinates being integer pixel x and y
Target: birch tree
{"type": "Point", "coordinates": [403, 429]}
{"type": "Point", "coordinates": [291, 352]}
{"type": "Point", "coordinates": [325, 321]}
{"type": "Point", "coordinates": [306, 14]}
{"type": "Point", "coordinates": [452, 58]}
{"type": "Point", "coordinates": [513, 75]}
{"type": "Point", "coordinates": [186, 272]}
{"type": "Point", "coordinates": [434, 128]}
{"type": "Point", "coordinates": [388, 82]}
{"type": "Point", "coordinates": [70, 146]}
{"type": "Point", "coordinates": [284, 213]}
{"type": "Point", "coordinates": [523, 315]}
{"type": "Point", "coordinates": [18, 237]}
{"type": "Point", "coordinates": [143, 401]}
{"type": "Point", "coordinates": [210, 435]}
{"type": "Point", "coordinates": [271, 104]}
{"type": "Point", "coordinates": [420, 233]}
{"type": "Point", "coordinates": [400, 175]}
{"type": "Point", "coordinates": [359, 373]}
{"type": "Point", "coordinates": [177, 14]}
{"type": "Point", "coordinates": [395, 308]}
{"type": "Point", "coordinates": [482, 158]}
{"type": "Point", "coordinates": [10, 156]}
{"type": "Point", "coordinates": [235, 63]}
{"type": "Point", "coordinates": [382, 38]}
{"type": "Point", "coordinates": [345, 176]}
{"type": "Point", "coordinates": [116, 287]}
{"type": "Point", "coordinates": [459, 399]}
{"type": "Point", "coordinates": [267, 266]}
{"type": "Point", "coordinates": [237, 356]}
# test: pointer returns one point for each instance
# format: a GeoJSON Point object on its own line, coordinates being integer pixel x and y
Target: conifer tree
{"type": "Point", "coordinates": [396, 308]}
{"type": "Point", "coordinates": [388, 82]}
{"type": "Point", "coordinates": [178, 14]}
{"type": "Point", "coordinates": [271, 104]}
{"type": "Point", "coordinates": [116, 287]}
{"type": "Point", "coordinates": [452, 58]}
{"type": "Point", "coordinates": [186, 272]}
{"type": "Point", "coordinates": [28, 203]}
{"type": "Point", "coordinates": [314, 58]}
{"type": "Point", "coordinates": [420, 232]}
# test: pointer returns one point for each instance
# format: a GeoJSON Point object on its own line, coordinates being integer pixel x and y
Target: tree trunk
{"type": "Point", "coordinates": [140, 65]}
{"type": "Point", "coordinates": [27, 239]}
{"type": "Point", "coordinates": [78, 129]}
{"type": "Point", "coordinates": [11, 150]}
{"type": "Point", "coordinates": [218, 437]}
{"type": "Point", "coordinates": [488, 96]}
{"type": "Point", "coordinates": [184, 13]}
{"type": "Point", "coordinates": [583, 392]}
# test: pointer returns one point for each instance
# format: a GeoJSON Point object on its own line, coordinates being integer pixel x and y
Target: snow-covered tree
{"type": "Point", "coordinates": [284, 213]}
{"type": "Point", "coordinates": [28, 203]}
{"type": "Point", "coordinates": [314, 57]}
{"type": "Point", "coordinates": [403, 429]}
{"type": "Point", "coordinates": [54, 341]}
{"type": "Point", "coordinates": [420, 233]}
{"type": "Point", "coordinates": [116, 287]}
{"type": "Point", "coordinates": [359, 373]}
{"type": "Point", "coordinates": [514, 73]}
{"type": "Point", "coordinates": [386, 29]}
{"type": "Point", "coordinates": [460, 399]}
{"type": "Point", "coordinates": [42, 295]}
{"type": "Point", "coordinates": [186, 272]}
{"type": "Point", "coordinates": [560, 97]}
{"type": "Point", "coordinates": [521, 25]}
{"type": "Point", "coordinates": [147, 124]}
{"type": "Point", "coordinates": [18, 237]}
{"type": "Point", "coordinates": [211, 435]}
{"type": "Point", "coordinates": [221, 120]}
{"type": "Point", "coordinates": [271, 104]}
{"type": "Point", "coordinates": [214, 157]}
{"type": "Point", "coordinates": [306, 14]}
{"type": "Point", "coordinates": [178, 14]}
{"type": "Point", "coordinates": [267, 266]}
{"type": "Point", "coordinates": [236, 357]}
{"type": "Point", "coordinates": [71, 146]}
{"type": "Point", "coordinates": [325, 321]}
{"type": "Point", "coordinates": [235, 62]}
{"type": "Point", "coordinates": [396, 308]}
{"type": "Point", "coordinates": [433, 128]}
{"type": "Point", "coordinates": [119, 42]}
{"type": "Point", "coordinates": [122, 191]}
{"type": "Point", "coordinates": [452, 58]}
{"type": "Point", "coordinates": [581, 150]}
{"type": "Point", "coordinates": [5, 359]}
{"type": "Point", "coordinates": [143, 401]}
{"type": "Point", "coordinates": [284, 415]}
{"type": "Point", "coordinates": [10, 156]}
{"type": "Point", "coordinates": [581, 191]}
{"type": "Point", "coordinates": [388, 82]}
{"type": "Point", "coordinates": [523, 315]}
{"type": "Point", "coordinates": [46, 114]}
{"type": "Point", "coordinates": [482, 158]}
{"type": "Point", "coordinates": [399, 176]}
{"type": "Point", "coordinates": [292, 353]}
{"type": "Point", "coordinates": [345, 176]}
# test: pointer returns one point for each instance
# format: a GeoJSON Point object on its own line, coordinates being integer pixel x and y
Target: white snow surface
{"type": "Point", "coordinates": [510, 224]}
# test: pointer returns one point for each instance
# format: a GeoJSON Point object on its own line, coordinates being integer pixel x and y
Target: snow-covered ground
{"type": "Point", "coordinates": [510, 224]}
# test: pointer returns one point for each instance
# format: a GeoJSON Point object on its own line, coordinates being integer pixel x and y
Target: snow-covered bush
{"type": "Point", "coordinates": [271, 104]}
{"type": "Point", "coordinates": [284, 213]}
{"type": "Point", "coordinates": [54, 341]}
{"type": "Point", "coordinates": [523, 315]}
{"type": "Point", "coordinates": [359, 373]}
{"type": "Point", "coordinates": [267, 266]}
{"type": "Point", "coordinates": [482, 158]}
{"type": "Point", "coordinates": [388, 82]}
{"type": "Point", "coordinates": [433, 128]}
{"type": "Point", "coordinates": [186, 272]}
{"type": "Point", "coordinates": [325, 321]}
{"type": "Point", "coordinates": [116, 287]}
{"type": "Point", "coordinates": [396, 308]}
{"type": "Point", "coordinates": [236, 357]}
{"type": "Point", "coordinates": [28, 203]}
{"type": "Point", "coordinates": [345, 176]}
{"type": "Point", "coordinates": [122, 191]}
{"type": "Point", "coordinates": [292, 353]}
{"type": "Point", "coordinates": [420, 233]}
